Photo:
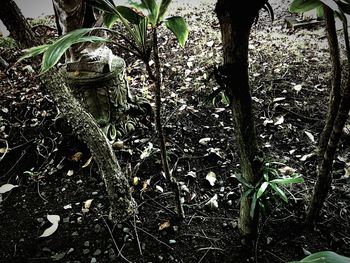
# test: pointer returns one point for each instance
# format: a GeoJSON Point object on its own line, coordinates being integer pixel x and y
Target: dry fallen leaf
{"type": "Point", "coordinates": [286, 170]}
{"type": "Point", "coordinates": [164, 225]}
{"type": "Point", "coordinates": [87, 163]}
{"type": "Point", "coordinates": [311, 137]}
{"type": "Point", "coordinates": [70, 172]}
{"type": "Point", "coordinates": [76, 157]}
{"type": "Point", "coordinates": [213, 203]}
{"type": "Point", "coordinates": [279, 120]}
{"type": "Point", "coordinates": [6, 188]}
{"type": "Point", "coordinates": [87, 203]}
{"type": "Point", "coordinates": [204, 141]}
{"type": "Point", "coordinates": [54, 219]}
{"type": "Point", "coordinates": [211, 178]}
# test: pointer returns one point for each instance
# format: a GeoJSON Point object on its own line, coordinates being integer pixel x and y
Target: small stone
{"type": "Point", "coordinates": [94, 193]}
{"type": "Point", "coordinates": [160, 258]}
{"type": "Point", "coordinates": [126, 230]}
{"type": "Point", "coordinates": [97, 228]}
{"type": "Point", "coordinates": [86, 243]}
{"type": "Point", "coordinates": [75, 234]}
{"type": "Point", "coordinates": [70, 250]}
{"type": "Point", "coordinates": [93, 260]}
{"type": "Point", "coordinates": [172, 241]}
{"type": "Point", "coordinates": [97, 252]}
{"type": "Point", "coordinates": [86, 251]}
{"type": "Point", "coordinates": [268, 240]}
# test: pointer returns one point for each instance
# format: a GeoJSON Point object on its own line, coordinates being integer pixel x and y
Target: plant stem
{"type": "Point", "coordinates": [156, 78]}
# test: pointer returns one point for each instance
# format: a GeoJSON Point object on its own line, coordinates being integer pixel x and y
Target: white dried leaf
{"type": "Point", "coordinates": [87, 203]}
{"type": "Point", "coordinates": [286, 170]}
{"type": "Point", "coordinates": [278, 99]}
{"type": "Point", "coordinates": [70, 172]}
{"type": "Point", "coordinates": [53, 219]}
{"type": "Point", "coordinates": [306, 156]}
{"type": "Point", "coordinates": [147, 152]}
{"type": "Point", "coordinates": [279, 120]}
{"type": "Point", "coordinates": [6, 188]}
{"type": "Point", "coordinates": [213, 203]}
{"type": "Point", "coordinates": [210, 43]}
{"type": "Point", "coordinates": [297, 88]}
{"type": "Point", "coordinates": [192, 174]}
{"type": "Point", "coordinates": [311, 137]}
{"type": "Point", "coordinates": [159, 189]}
{"type": "Point", "coordinates": [67, 207]}
{"type": "Point", "coordinates": [211, 178]}
{"type": "Point", "coordinates": [204, 141]}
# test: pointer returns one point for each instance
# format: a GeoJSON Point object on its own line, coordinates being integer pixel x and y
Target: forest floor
{"type": "Point", "coordinates": [290, 73]}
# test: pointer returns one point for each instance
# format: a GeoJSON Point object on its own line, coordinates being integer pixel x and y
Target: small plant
{"type": "Point", "coordinates": [324, 257]}
{"type": "Point", "coordinates": [270, 185]}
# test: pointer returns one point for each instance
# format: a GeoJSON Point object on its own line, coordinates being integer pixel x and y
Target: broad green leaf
{"type": "Point", "coordinates": [103, 5]}
{"type": "Point", "coordinates": [153, 10]}
{"type": "Point", "coordinates": [266, 175]}
{"type": "Point", "coordinates": [320, 12]}
{"type": "Point", "coordinates": [163, 7]}
{"type": "Point", "coordinates": [262, 189]}
{"type": "Point", "coordinates": [130, 15]}
{"type": "Point", "coordinates": [279, 192]}
{"type": "Point", "coordinates": [301, 6]}
{"type": "Point", "coordinates": [34, 51]}
{"type": "Point", "coordinates": [56, 50]}
{"type": "Point", "coordinates": [109, 19]}
{"type": "Point", "coordinates": [178, 26]}
{"type": "Point", "coordinates": [324, 257]}
{"type": "Point", "coordinates": [288, 180]}
{"type": "Point", "coordinates": [243, 181]}
{"type": "Point", "coordinates": [253, 205]}
{"type": "Point", "coordinates": [247, 193]}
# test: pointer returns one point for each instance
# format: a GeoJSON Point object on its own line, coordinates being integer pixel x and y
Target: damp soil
{"type": "Point", "coordinates": [290, 81]}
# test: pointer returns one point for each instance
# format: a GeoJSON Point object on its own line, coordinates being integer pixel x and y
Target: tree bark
{"type": "Point", "coordinates": [17, 25]}
{"type": "Point", "coordinates": [341, 113]}
{"type": "Point", "coordinates": [235, 29]}
{"type": "Point", "coordinates": [335, 95]}
{"type": "Point", "coordinates": [121, 202]}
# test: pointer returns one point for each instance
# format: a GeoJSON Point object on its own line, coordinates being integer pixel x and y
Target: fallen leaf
{"type": "Point", "coordinates": [306, 156]}
{"type": "Point", "coordinates": [147, 152]}
{"type": "Point", "coordinates": [159, 189]}
{"type": "Point", "coordinates": [192, 174]}
{"type": "Point", "coordinates": [70, 172]}
{"type": "Point", "coordinates": [87, 163]}
{"type": "Point", "coordinates": [204, 141]}
{"type": "Point", "coordinates": [279, 120]}
{"type": "Point", "coordinates": [6, 188]}
{"type": "Point", "coordinates": [164, 225]}
{"type": "Point", "coordinates": [311, 137]}
{"type": "Point", "coordinates": [76, 157]}
{"type": "Point", "coordinates": [286, 170]}
{"type": "Point", "coordinates": [213, 203]}
{"type": "Point", "coordinates": [87, 203]}
{"type": "Point", "coordinates": [53, 219]}
{"type": "Point", "coordinates": [211, 178]}
{"type": "Point", "coordinates": [297, 88]}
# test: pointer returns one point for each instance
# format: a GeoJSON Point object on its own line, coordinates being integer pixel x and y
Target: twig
{"type": "Point", "coordinates": [149, 234]}
{"type": "Point", "coordinates": [4, 63]}
{"type": "Point", "coordinates": [114, 242]}
{"type": "Point", "coordinates": [137, 236]}
{"type": "Point", "coordinates": [38, 188]}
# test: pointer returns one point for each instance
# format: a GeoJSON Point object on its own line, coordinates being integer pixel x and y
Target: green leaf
{"type": "Point", "coordinates": [288, 180]}
{"type": "Point", "coordinates": [266, 175]}
{"type": "Point", "coordinates": [253, 205]}
{"type": "Point", "coordinates": [279, 192]}
{"type": "Point", "coordinates": [34, 51]}
{"type": "Point", "coordinates": [103, 5]}
{"type": "Point", "coordinates": [301, 6]}
{"type": "Point", "coordinates": [56, 50]}
{"type": "Point", "coordinates": [153, 10]}
{"type": "Point", "coordinates": [324, 257]}
{"type": "Point", "coordinates": [247, 193]}
{"type": "Point", "coordinates": [130, 15]}
{"type": "Point", "coordinates": [178, 26]}
{"type": "Point", "coordinates": [109, 19]}
{"type": "Point", "coordinates": [163, 7]}
{"type": "Point", "coordinates": [262, 189]}
{"type": "Point", "coordinates": [243, 181]}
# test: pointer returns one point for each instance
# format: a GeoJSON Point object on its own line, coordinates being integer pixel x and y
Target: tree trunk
{"type": "Point", "coordinates": [83, 125]}
{"type": "Point", "coordinates": [335, 96]}
{"type": "Point", "coordinates": [235, 30]}
{"type": "Point", "coordinates": [341, 114]}
{"type": "Point", "coordinates": [17, 25]}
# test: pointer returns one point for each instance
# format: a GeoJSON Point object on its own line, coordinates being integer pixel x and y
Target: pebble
{"type": "Point", "coordinates": [97, 252]}
{"type": "Point", "coordinates": [172, 241]}
{"type": "Point", "coordinates": [93, 260]}
{"type": "Point", "coordinates": [97, 228]}
{"type": "Point", "coordinates": [75, 234]}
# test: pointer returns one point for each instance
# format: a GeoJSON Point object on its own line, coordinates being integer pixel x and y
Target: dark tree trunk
{"type": "Point", "coordinates": [83, 125]}
{"type": "Point", "coordinates": [235, 25]}
{"type": "Point", "coordinates": [335, 96]}
{"type": "Point", "coordinates": [17, 25]}
{"type": "Point", "coordinates": [336, 119]}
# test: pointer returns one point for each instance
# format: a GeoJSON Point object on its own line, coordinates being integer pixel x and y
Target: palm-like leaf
{"type": "Point", "coordinates": [178, 26]}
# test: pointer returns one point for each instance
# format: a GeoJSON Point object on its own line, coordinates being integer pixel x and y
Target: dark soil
{"type": "Point", "coordinates": [40, 160]}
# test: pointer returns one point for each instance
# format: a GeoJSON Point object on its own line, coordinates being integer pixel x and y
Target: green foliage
{"type": "Point", "coordinates": [7, 42]}
{"type": "Point", "coordinates": [324, 257]}
{"type": "Point", "coordinates": [53, 52]}
{"type": "Point", "coordinates": [178, 26]}
{"type": "Point", "coordinates": [271, 181]}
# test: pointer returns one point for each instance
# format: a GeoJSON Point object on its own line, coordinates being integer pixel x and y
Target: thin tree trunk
{"type": "Point", "coordinates": [156, 78]}
{"type": "Point", "coordinates": [235, 38]}
{"type": "Point", "coordinates": [121, 202]}
{"type": "Point", "coordinates": [17, 25]}
{"type": "Point", "coordinates": [335, 96]}
{"type": "Point", "coordinates": [324, 179]}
